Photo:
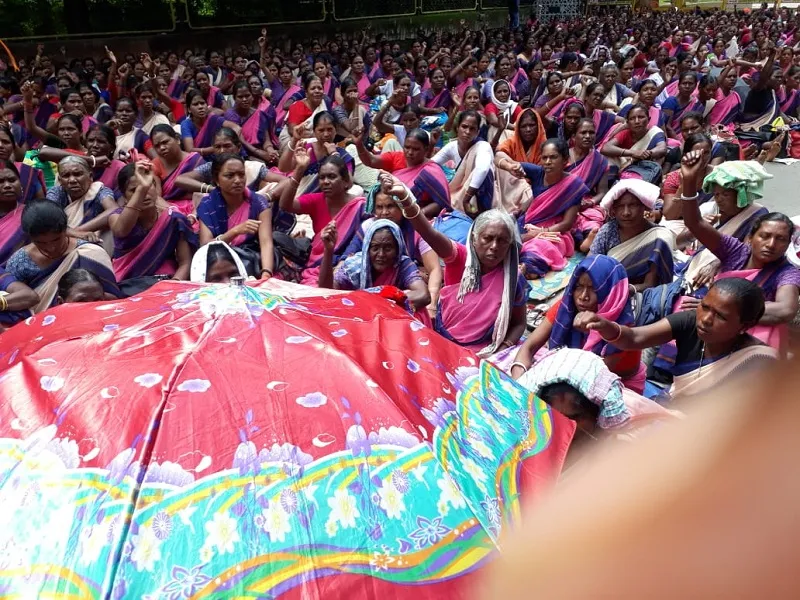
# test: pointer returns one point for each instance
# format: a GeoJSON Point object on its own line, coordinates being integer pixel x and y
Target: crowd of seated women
{"type": "Point", "coordinates": [456, 167]}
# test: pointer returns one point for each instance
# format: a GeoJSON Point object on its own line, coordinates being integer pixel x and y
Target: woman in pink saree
{"type": "Point", "coordinates": [150, 236]}
{"type": "Point", "coordinates": [201, 125]}
{"type": "Point", "coordinates": [422, 176]}
{"type": "Point", "coordinates": [482, 303]}
{"type": "Point", "coordinates": [591, 167]}
{"type": "Point", "coordinates": [546, 239]}
{"type": "Point", "coordinates": [331, 203]}
{"type": "Point", "coordinates": [12, 238]}
{"type": "Point", "coordinates": [170, 164]}
{"type": "Point", "coordinates": [728, 101]}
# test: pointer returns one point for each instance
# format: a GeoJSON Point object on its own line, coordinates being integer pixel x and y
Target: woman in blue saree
{"type": "Point", "coordinates": [11, 204]}
{"type": "Point", "coordinates": [16, 300]}
{"type": "Point", "coordinates": [150, 237]}
{"type": "Point", "coordinates": [52, 253]}
{"type": "Point", "coordinates": [198, 131]}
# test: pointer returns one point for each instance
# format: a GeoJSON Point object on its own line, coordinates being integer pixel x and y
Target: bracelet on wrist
{"type": "Point", "coordinates": [690, 198]}
{"type": "Point", "coordinates": [619, 333]}
{"type": "Point", "coordinates": [415, 215]}
{"type": "Point", "coordinates": [517, 364]}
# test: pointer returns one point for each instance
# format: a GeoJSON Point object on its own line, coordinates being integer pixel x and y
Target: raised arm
{"type": "Point", "coordinates": [691, 174]}
{"type": "Point", "coordinates": [30, 122]}
{"type": "Point", "coordinates": [121, 224]}
{"type": "Point", "coordinates": [438, 242]}
{"type": "Point", "coordinates": [622, 337]}
{"type": "Point", "coordinates": [367, 157]}
{"type": "Point", "coordinates": [288, 200]}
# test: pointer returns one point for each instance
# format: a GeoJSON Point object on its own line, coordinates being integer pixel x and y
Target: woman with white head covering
{"type": "Point", "coordinates": [579, 385]}
{"type": "Point", "coordinates": [644, 249]}
{"type": "Point", "coordinates": [482, 303]}
{"type": "Point", "coordinates": [501, 112]}
{"type": "Point", "coordinates": [216, 262]}
{"type": "Point", "coordinates": [383, 260]}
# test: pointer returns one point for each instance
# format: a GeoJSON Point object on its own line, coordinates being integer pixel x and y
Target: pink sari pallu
{"type": "Point", "coordinates": [239, 216]}
{"type": "Point", "coordinates": [145, 251]}
{"type": "Point", "coordinates": [470, 322]}
{"type": "Point", "coordinates": [347, 223]}
{"type": "Point", "coordinates": [776, 336]}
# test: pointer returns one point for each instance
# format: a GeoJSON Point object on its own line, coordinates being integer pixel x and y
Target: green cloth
{"type": "Point", "coordinates": [745, 176]}
{"type": "Point", "coordinates": [49, 169]}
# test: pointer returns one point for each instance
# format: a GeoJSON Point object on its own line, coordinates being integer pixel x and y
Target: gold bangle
{"type": "Point", "coordinates": [419, 210]}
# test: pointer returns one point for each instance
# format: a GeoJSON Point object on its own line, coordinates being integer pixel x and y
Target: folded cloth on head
{"type": "Point", "coordinates": [647, 193]}
{"type": "Point", "coordinates": [588, 374]}
{"type": "Point", "coordinates": [745, 176]}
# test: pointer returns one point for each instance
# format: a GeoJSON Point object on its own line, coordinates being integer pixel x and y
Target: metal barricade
{"type": "Point", "coordinates": [215, 14]}
{"type": "Point", "coordinates": [47, 19]}
{"type": "Point", "coordinates": [444, 6]}
{"type": "Point", "coordinates": [352, 10]}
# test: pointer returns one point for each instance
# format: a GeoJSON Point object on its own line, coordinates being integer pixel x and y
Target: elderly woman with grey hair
{"type": "Point", "coordinates": [88, 204]}
{"type": "Point", "coordinates": [482, 303]}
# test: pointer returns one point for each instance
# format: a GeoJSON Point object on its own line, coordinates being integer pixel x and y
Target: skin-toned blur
{"type": "Point", "coordinates": [704, 508]}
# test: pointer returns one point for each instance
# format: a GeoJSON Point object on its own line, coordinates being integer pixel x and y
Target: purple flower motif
{"type": "Point", "coordinates": [298, 339]}
{"type": "Point", "coordinates": [393, 436]}
{"type": "Point", "coordinates": [194, 386]}
{"type": "Point", "coordinates": [416, 325]}
{"type": "Point", "coordinates": [412, 366]}
{"type": "Point", "coordinates": [185, 582]}
{"type": "Point", "coordinates": [400, 481]}
{"type": "Point", "coordinates": [162, 525]}
{"type": "Point", "coordinates": [246, 458]}
{"type": "Point", "coordinates": [289, 501]}
{"type": "Point", "coordinates": [460, 377]}
{"type": "Point", "coordinates": [339, 333]}
{"type": "Point", "coordinates": [348, 302]}
{"type": "Point", "coordinates": [428, 532]}
{"type": "Point", "coordinates": [492, 508]}
{"type": "Point", "coordinates": [118, 467]}
{"type": "Point", "coordinates": [49, 320]}
{"type": "Point", "coordinates": [357, 441]}
{"type": "Point", "coordinates": [436, 415]}
{"type": "Point", "coordinates": [111, 327]}
{"type": "Point", "coordinates": [312, 400]}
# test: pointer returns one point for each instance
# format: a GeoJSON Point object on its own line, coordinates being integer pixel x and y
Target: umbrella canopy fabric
{"type": "Point", "coordinates": [228, 441]}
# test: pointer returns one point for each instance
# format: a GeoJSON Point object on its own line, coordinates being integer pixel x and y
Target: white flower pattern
{"type": "Point", "coordinates": [146, 550]}
{"type": "Point", "coordinates": [343, 507]}
{"type": "Point", "coordinates": [222, 533]}
{"type": "Point", "coordinates": [392, 501]}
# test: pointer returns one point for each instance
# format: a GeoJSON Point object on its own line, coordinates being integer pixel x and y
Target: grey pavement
{"type": "Point", "coordinates": [782, 192]}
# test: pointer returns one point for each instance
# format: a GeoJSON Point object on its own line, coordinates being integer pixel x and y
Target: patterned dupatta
{"type": "Point", "coordinates": [693, 378]}
{"type": "Point", "coordinates": [29, 177]}
{"type": "Point", "coordinates": [654, 246]}
{"type": "Point", "coordinates": [726, 109]}
{"type": "Point", "coordinates": [610, 283]}
{"type": "Point", "coordinates": [213, 213]}
{"type": "Point", "coordinates": [85, 256]}
{"type": "Point", "coordinates": [764, 119]}
{"type": "Point", "coordinates": [605, 125]}
{"type": "Point", "coordinates": [259, 125]}
{"type": "Point", "coordinates": [427, 181]}
{"type": "Point", "coordinates": [590, 168]}
{"type": "Point", "coordinates": [281, 110]}
{"type": "Point", "coordinates": [554, 201]}
{"type": "Point", "coordinates": [155, 254]}
{"type": "Point", "coordinates": [204, 138]}
{"type": "Point", "coordinates": [12, 238]}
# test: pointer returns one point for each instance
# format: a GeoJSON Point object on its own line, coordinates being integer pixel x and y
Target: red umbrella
{"type": "Point", "coordinates": [216, 441]}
